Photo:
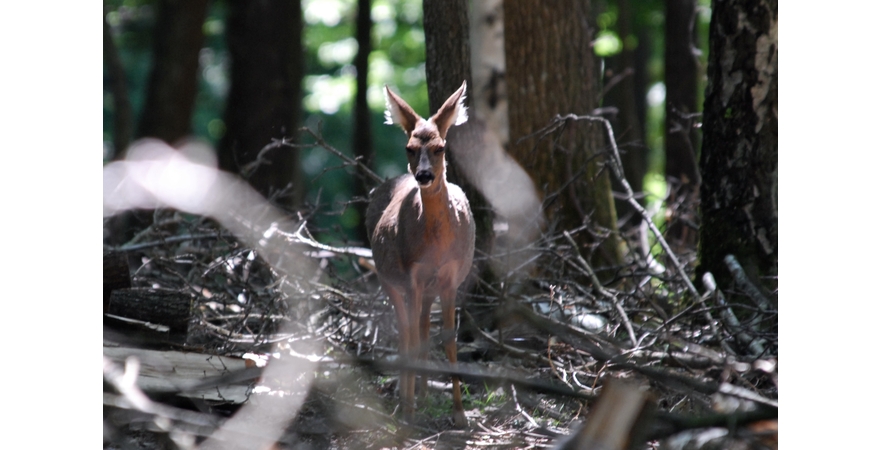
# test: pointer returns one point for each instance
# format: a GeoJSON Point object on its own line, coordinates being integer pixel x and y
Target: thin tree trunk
{"type": "Point", "coordinates": [448, 64]}
{"type": "Point", "coordinates": [171, 94]}
{"type": "Point", "coordinates": [680, 136]}
{"type": "Point", "coordinates": [122, 120]}
{"type": "Point", "coordinates": [739, 194]}
{"type": "Point", "coordinates": [624, 72]}
{"type": "Point", "coordinates": [489, 90]}
{"type": "Point", "coordinates": [363, 139]}
{"type": "Point", "coordinates": [680, 65]}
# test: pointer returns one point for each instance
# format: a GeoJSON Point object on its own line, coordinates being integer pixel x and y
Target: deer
{"type": "Point", "coordinates": [421, 230]}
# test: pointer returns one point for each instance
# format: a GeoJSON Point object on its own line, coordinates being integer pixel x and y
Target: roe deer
{"type": "Point", "coordinates": [421, 230]}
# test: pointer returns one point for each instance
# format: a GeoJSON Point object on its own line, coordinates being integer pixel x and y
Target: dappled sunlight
{"type": "Point", "coordinates": [329, 94]}
{"type": "Point", "coordinates": [155, 175]}
{"type": "Point", "coordinates": [328, 12]}
{"type": "Point", "coordinates": [281, 302]}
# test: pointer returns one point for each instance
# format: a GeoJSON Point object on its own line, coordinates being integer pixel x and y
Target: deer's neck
{"type": "Point", "coordinates": [435, 200]}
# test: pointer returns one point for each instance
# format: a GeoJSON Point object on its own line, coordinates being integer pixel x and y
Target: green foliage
{"type": "Point", "coordinates": [397, 59]}
{"type": "Point", "coordinates": [607, 44]}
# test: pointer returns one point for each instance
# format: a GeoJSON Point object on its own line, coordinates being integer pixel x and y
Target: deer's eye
{"type": "Point", "coordinates": [439, 150]}
{"type": "Point", "coordinates": [410, 151]}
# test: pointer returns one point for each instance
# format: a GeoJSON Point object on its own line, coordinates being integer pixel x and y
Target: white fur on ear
{"type": "Point", "coordinates": [397, 111]}
{"type": "Point", "coordinates": [392, 111]}
{"type": "Point", "coordinates": [462, 116]}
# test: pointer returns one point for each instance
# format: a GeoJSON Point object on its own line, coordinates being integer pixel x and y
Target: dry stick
{"type": "Point", "coordinates": [601, 289]}
{"type": "Point", "coordinates": [520, 409]}
{"type": "Point", "coordinates": [739, 276]}
{"type": "Point", "coordinates": [320, 142]}
{"type": "Point", "coordinates": [172, 240]}
{"type": "Point", "coordinates": [303, 236]}
{"type": "Point", "coordinates": [755, 346]}
{"type": "Point", "coordinates": [617, 168]}
{"type": "Point", "coordinates": [517, 352]}
{"type": "Point", "coordinates": [124, 380]}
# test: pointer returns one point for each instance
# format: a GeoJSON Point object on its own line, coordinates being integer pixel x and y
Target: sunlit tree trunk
{"type": "Point", "coordinates": [551, 70]}
{"type": "Point", "coordinates": [489, 90]}
{"type": "Point", "coordinates": [447, 64]}
{"type": "Point", "coordinates": [739, 193]}
{"type": "Point", "coordinates": [265, 96]}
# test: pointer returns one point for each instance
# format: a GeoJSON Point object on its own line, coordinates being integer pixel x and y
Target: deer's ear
{"type": "Point", "coordinates": [453, 111]}
{"type": "Point", "coordinates": [397, 111]}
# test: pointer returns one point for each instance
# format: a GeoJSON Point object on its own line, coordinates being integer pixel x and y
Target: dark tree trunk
{"type": "Point", "coordinates": [623, 93]}
{"type": "Point", "coordinates": [122, 120]}
{"type": "Point", "coordinates": [265, 42]}
{"type": "Point", "coordinates": [641, 78]}
{"type": "Point", "coordinates": [739, 194]}
{"type": "Point", "coordinates": [550, 71]}
{"type": "Point", "coordinates": [363, 138]}
{"type": "Point", "coordinates": [680, 66]}
{"type": "Point", "coordinates": [447, 64]}
{"type": "Point", "coordinates": [173, 81]}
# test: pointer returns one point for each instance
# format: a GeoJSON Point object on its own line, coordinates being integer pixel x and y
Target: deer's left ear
{"type": "Point", "coordinates": [453, 111]}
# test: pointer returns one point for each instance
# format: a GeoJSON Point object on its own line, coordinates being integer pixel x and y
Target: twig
{"type": "Point", "coordinates": [302, 235]}
{"type": "Point", "coordinates": [525, 354]}
{"type": "Point", "coordinates": [601, 289]}
{"type": "Point", "coordinates": [755, 346]}
{"type": "Point", "coordinates": [519, 408]}
{"type": "Point", "coordinates": [617, 168]}
{"type": "Point", "coordinates": [739, 276]}
{"type": "Point", "coordinates": [319, 141]}
{"type": "Point", "coordinates": [173, 240]}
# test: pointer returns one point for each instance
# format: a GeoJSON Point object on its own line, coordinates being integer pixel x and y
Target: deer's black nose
{"type": "Point", "coordinates": [424, 177]}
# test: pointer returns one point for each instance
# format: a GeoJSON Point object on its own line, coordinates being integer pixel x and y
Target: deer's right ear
{"type": "Point", "coordinates": [397, 111]}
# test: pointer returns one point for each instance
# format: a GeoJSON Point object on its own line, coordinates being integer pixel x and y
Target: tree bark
{"type": "Point", "coordinates": [363, 137]}
{"type": "Point", "coordinates": [680, 136]}
{"type": "Point", "coordinates": [171, 92]}
{"type": "Point", "coordinates": [122, 119]}
{"type": "Point", "coordinates": [680, 66]}
{"type": "Point", "coordinates": [739, 193]}
{"type": "Point", "coordinates": [550, 71]}
{"type": "Point", "coordinates": [489, 90]}
{"type": "Point", "coordinates": [624, 72]}
{"type": "Point", "coordinates": [166, 307]}
{"type": "Point", "coordinates": [447, 64]}
{"type": "Point", "coordinates": [265, 96]}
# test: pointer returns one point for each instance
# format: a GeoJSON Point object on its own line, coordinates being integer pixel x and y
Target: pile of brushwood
{"type": "Point", "coordinates": [534, 351]}
{"type": "Point", "coordinates": [538, 344]}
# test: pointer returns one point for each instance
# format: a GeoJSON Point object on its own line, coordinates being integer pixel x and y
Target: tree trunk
{"type": "Point", "coordinates": [499, 189]}
{"type": "Point", "coordinates": [447, 64]}
{"type": "Point", "coordinates": [362, 139]}
{"type": "Point", "coordinates": [122, 121]}
{"type": "Point", "coordinates": [550, 71]}
{"type": "Point", "coordinates": [623, 93]}
{"type": "Point", "coordinates": [680, 66]}
{"type": "Point", "coordinates": [739, 194]}
{"type": "Point", "coordinates": [265, 96]}
{"type": "Point", "coordinates": [171, 92]}
{"type": "Point", "coordinates": [680, 136]}
{"type": "Point", "coordinates": [489, 90]}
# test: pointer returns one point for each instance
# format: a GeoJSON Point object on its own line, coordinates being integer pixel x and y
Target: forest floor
{"type": "Point", "coordinates": [536, 346]}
